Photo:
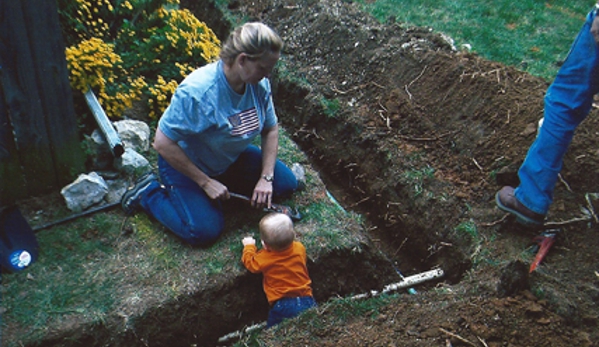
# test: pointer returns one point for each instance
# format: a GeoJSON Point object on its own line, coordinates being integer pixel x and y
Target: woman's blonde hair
{"type": "Point", "coordinates": [276, 231]}
{"type": "Point", "coordinates": [254, 39]}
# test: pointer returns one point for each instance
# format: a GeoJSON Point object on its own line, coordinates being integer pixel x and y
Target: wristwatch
{"type": "Point", "coordinates": [268, 178]}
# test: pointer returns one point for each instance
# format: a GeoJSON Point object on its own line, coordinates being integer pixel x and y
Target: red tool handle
{"type": "Point", "coordinates": [544, 246]}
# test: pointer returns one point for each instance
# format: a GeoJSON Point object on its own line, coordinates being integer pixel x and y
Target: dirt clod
{"type": "Point", "coordinates": [514, 279]}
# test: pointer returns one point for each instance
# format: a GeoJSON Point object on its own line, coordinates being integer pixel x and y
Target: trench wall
{"type": "Point", "coordinates": [203, 317]}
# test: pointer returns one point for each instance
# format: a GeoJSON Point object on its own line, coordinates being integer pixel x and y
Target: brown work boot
{"type": "Point", "coordinates": [506, 201]}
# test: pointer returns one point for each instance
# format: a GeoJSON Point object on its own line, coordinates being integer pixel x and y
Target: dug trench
{"type": "Point", "coordinates": [418, 137]}
{"type": "Point", "coordinates": [410, 133]}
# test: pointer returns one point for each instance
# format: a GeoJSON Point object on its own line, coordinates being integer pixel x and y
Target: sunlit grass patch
{"type": "Point", "coordinates": [536, 42]}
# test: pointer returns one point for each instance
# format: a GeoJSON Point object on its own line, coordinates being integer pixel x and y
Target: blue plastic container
{"type": "Point", "coordinates": [18, 245]}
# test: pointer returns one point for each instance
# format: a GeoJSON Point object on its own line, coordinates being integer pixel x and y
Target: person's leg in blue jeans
{"type": "Point", "coordinates": [567, 103]}
{"type": "Point", "coordinates": [185, 209]}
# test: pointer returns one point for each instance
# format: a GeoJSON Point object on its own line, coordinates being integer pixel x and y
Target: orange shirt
{"type": "Point", "coordinates": [285, 274]}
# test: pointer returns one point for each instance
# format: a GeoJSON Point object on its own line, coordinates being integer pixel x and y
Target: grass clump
{"type": "Point", "coordinates": [417, 179]}
{"type": "Point", "coordinates": [468, 228]}
{"type": "Point", "coordinates": [481, 243]}
{"type": "Point", "coordinates": [330, 107]}
{"type": "Point", "coordinates": [344, 309]}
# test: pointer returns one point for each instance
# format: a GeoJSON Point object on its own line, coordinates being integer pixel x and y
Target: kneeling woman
{"type": "Point", "coordinates": [204, 141]}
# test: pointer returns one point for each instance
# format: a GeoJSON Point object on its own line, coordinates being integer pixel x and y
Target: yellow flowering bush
{"type": "Point", "coordinates": [160, 94]}
{"type": "Point", "coordinates": [119, 97]}
{"type": "Point", "coordinates": [82, 20]}
{"type": "Point", "coordinates": [92, 63]}
{"type": "Point", "coordinates": [126, 49]}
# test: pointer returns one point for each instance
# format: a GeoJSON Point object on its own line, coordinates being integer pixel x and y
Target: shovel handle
{"type": "Point", "coordinates": [239, 196]}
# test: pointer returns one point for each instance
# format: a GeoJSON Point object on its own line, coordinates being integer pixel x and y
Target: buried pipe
{"type": "Point", "coordinates": [241, 333]}
{"type": "Point", "coordinates": [406, 282]}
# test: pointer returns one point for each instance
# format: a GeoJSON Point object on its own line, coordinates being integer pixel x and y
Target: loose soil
{"type": "Point", "coordinates": [418, 137]}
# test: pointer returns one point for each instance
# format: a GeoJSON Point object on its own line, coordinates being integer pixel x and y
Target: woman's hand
{"type": "Point", "coordinates": [215, 190]}
{"type": "Point", "coordinates": [262, 196]}
{"type": "Point", "coordinates": [176, 157]}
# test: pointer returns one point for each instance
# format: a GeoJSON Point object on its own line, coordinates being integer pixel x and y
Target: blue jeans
{"type": "Point", "coordinates": [567, 103]}
{"type": "Point", "coordinates": [184, 208]}
{"type": "Point", "coordinates": [288, 308]}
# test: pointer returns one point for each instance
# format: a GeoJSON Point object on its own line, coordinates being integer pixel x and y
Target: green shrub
{"type": "Point", "coordinates": [124, 50]}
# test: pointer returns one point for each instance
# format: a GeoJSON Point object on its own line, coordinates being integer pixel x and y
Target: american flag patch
{"type": "Point", "coordinates": [245, 122]}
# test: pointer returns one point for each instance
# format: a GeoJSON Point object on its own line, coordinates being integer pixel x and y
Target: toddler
{"type": "Point", "coordinates": [282, 262]}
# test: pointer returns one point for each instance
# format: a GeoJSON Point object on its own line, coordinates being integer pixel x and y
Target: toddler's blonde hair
{"type": "Point", "coordinates": [276, 231]}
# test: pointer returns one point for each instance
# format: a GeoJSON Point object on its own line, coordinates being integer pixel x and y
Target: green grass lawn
{"type": "Point", "coordinates": [94, 268]}
{"type": "Point", "coordinates": [534, 36]}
